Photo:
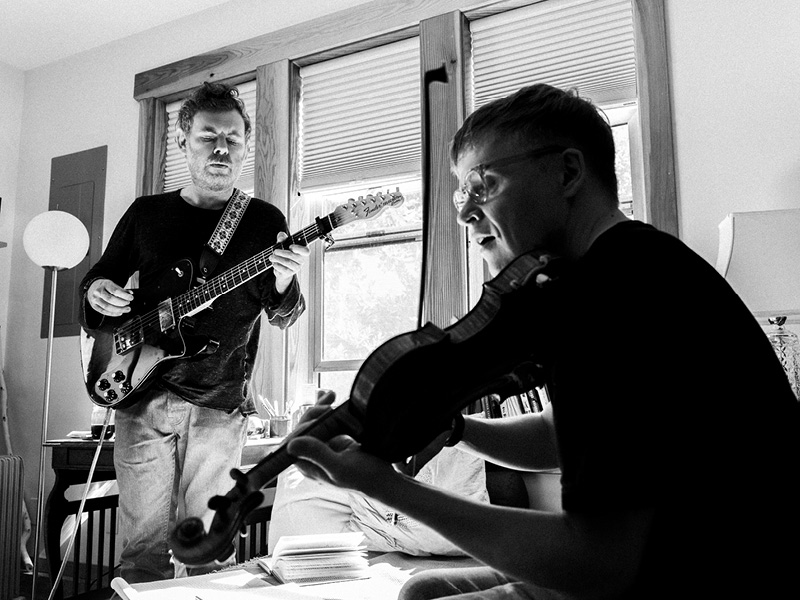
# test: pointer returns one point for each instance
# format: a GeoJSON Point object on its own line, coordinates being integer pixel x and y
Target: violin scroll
{"type": "Point", "coordinates": [189, 541]}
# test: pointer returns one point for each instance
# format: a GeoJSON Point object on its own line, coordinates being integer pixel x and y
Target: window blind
{"type": "Point", "coordinates": [582, 44]}
{"type": "Point", "coordinates": [176, 175]}
{"type": "Point", "coordinates": [360, 116]}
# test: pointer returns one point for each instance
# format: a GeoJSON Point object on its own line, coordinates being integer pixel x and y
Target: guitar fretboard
{"type": "Point", "coordinates": [256, 265]}
{"type": "Point", "coordinates": [171, 310]}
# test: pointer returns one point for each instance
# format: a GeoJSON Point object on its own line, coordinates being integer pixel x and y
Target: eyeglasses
{"type": "Point", "coordinates": [475, 187]}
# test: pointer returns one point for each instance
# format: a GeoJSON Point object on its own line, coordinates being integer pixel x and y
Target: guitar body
{"type": "Point", "coordinates": [121, 358]}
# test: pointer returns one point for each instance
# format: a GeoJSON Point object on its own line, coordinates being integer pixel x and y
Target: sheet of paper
{"type": "Point", "coordinates": [384, 583]}
{"type": "Point", "coordinates": [224, 585]}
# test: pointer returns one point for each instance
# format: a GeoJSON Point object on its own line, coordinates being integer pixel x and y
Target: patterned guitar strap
{"type": "Point", "coordinates": [226, 227]}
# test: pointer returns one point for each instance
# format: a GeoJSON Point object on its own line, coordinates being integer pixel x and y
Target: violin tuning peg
{"type": "Point", "coordinates": [219, 503]}
{"type": "Point", "coordinates": [240, 478]}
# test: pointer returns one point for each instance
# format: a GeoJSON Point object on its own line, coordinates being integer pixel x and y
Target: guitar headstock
{"type": "Point", "coordinates": [367, 207]}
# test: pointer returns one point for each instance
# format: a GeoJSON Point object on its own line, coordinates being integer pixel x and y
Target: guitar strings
{"type": "Point", "coordinates": [340, 216]}
{"type": "Point", "coordinates": [219, 283]}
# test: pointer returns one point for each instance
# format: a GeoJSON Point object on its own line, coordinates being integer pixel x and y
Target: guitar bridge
{"type": "Point", "coordinates": [128, 336]}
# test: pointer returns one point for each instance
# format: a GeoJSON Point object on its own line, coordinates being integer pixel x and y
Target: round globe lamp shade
{"type": "Point", "coordinates": [56, 239]}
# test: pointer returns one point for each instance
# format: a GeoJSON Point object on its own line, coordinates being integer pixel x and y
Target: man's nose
{"type": "Point", "coordinates": [221, 146]}
{"type": "Point", "coordinates": [470, 211]}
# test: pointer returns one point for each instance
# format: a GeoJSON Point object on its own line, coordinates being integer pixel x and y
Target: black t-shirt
{"type": "Point", "coordinates": [154, 233]}
{"type": "Point", "coordinates": [667, 395]}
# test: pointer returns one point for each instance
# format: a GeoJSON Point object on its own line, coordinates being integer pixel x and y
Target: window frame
{"type": "Point", "coordinates": [442, 26]}
{"type": "Point", "coordinates": [313, 287]}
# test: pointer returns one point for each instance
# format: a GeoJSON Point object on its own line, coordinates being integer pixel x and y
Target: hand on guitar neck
{"type": "Point", "coordinates": [287, 262]}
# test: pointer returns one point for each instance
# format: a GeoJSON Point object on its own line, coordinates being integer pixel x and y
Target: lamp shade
{"type": "Point", "coordinates": [759, 255]}
{"type": "Point", "coordinates": [56, 239]}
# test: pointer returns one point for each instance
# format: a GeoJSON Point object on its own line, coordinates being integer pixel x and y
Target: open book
{"type": "Point", "coordinates": [318, 558]}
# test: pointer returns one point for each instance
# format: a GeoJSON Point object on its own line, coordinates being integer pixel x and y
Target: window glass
{"type": "Point", "coordinates": [355, 140]}
{"type": "Point", "coordinates": [370, 276]}
{"type": "Point", "coordinates": [622, 146]}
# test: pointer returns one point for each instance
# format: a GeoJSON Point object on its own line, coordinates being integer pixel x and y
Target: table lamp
{"type": "Point", "coordinates": [759, 255]}
{"type": "Point", "coordinates": [54, 240]}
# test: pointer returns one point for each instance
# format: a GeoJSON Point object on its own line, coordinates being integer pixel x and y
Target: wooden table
{"type": "Point", "coordinates": [71, 462]}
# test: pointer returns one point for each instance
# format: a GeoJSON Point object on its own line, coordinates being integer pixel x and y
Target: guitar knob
{"type": "Point", "coordinates": [119, 376]}
{"type": "Point", "coordinates": [126, 388]}
{"type": "Point", "coordinates": [103, 385]}
{"type": "Point", "coordinates": [111, 395]}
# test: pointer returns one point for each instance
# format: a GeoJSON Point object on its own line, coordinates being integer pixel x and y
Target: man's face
{"type": "Point", "coordinates": [523, 207]}
{"type": "Point", "coordinates": [215, 149]}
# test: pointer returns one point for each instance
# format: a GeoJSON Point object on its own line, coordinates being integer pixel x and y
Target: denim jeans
{"type": "Point", "coordinates": [170, 457]}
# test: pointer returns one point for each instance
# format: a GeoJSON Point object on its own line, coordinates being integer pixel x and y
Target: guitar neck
{"type": "Point", "coordinates": [362, 208]}
{"type": "Point", "coordinates": [254, 266]}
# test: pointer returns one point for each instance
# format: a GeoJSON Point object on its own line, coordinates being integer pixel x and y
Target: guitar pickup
{"type": "Point", "coordinates": [166, 318]}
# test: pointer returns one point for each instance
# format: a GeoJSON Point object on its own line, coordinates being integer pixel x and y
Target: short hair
{"type": "Point", "coordinates": [212, 97]}
{"type": "Point", "coordinates": [543, 113]}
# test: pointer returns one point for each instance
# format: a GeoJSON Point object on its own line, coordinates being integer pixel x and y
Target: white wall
{"type": "Point", "coordinates": [12, 90]}
{"type": "Point", "coordinates": [736, 101]}
{"type": "Point", "coordinates": [735, 90]}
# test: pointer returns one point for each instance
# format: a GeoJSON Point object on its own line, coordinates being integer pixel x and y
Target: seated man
{"type": "Point", "coordinates": [677, 443]}
{"type": "Point", "coordinates": [305, 506]}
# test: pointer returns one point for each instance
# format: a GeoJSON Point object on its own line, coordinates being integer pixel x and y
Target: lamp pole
{"type": "Point", "coordinates": [45, 413]}
{"type": "Point", "coordinates": [55, 240]}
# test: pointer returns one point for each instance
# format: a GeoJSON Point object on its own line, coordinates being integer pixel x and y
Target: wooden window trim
{"type": "Point", "coordinates": [655, 114]}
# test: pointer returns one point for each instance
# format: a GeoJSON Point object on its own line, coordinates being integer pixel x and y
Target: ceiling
{"type": "Point", "coordinates": [37, 32]}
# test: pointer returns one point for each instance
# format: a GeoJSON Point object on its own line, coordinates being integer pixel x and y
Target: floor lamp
{"type": "Point", "coordinates": [56, 241]}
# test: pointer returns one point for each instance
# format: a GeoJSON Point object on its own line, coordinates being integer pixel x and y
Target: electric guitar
{"type": "Point", "coordinates": [122, 357]}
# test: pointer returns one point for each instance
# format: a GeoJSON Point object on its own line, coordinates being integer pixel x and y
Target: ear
{"type": "Point", "coordinates": [574, 174]}
{"type": "Point", "coordinates": [180, 137]}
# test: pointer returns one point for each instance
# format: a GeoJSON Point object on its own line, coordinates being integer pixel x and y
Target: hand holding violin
{"type": "Point", "coordinates": [341, 462]}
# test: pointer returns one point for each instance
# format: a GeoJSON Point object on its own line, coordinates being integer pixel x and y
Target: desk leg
{"type": "Point", "coordinates": [56, 512]}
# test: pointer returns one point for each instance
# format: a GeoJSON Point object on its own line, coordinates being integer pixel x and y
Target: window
{"type": "Point", "coordinates": [367, 287]}
{"type": "Point", "coordinates": [360, 134]}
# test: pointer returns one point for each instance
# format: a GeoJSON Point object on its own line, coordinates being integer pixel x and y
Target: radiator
{"type": "Point", "coordinates": [10, 526]}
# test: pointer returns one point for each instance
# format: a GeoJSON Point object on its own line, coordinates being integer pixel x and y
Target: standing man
{"type": "Point", "coordinates": [677, 442]}
{"type": "Point", "coordinates": [176, 445]}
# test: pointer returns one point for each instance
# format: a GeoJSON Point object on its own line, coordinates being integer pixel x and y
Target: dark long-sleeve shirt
{"type": "Point", "coordinates": [154, 233]}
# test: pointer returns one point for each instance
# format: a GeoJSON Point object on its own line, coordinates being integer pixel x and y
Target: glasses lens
{"type": "Point", "coordinates": [459, 200]}
{"type": "Point", "coordinates": [473, 189]}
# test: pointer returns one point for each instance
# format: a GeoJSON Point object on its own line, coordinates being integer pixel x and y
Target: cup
{"type": "Point", "coordinates": [98, 418]}
{"type": "Point", "coordinates": [279, 425]}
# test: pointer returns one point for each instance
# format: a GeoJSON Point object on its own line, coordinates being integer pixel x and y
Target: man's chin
{"type": "Point", "coordinates": [215, 184]}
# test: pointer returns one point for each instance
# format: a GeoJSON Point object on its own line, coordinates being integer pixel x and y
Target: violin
{"type": "Point", "coordinates": [407, 391]}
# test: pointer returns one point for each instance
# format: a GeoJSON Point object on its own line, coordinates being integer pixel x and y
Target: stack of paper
{"type": "Point", "coordinates": [319, 558]}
